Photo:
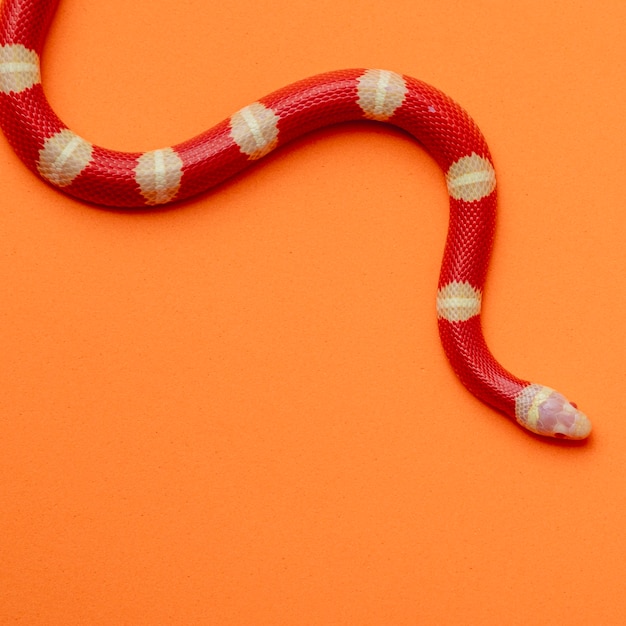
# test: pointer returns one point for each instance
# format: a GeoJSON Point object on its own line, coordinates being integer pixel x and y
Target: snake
{"type": "Point", "coordinates": [100, 176]}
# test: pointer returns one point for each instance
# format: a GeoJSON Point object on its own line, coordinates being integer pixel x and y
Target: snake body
{"type": "Point", "coordinates": [106, 177]}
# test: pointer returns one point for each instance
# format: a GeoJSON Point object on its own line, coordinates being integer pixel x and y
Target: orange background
{"type": "Point", "coordinates": [237, 411]}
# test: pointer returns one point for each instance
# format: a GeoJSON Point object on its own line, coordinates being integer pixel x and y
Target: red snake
{"type": "Point", "coordinates": [157, 177]}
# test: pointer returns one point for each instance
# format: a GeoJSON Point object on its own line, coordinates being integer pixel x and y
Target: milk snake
{"type": "Point", "coordinates": [157, 177]}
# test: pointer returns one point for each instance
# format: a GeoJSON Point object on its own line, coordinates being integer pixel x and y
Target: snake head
{"type": "Point", "coordinates": [546, 412]}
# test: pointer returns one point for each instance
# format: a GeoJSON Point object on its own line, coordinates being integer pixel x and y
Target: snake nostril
{"type": "Point", "coordinates": [559, 435]}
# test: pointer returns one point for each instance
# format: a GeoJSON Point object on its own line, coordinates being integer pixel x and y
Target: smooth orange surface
{"type": "Point", "coordinates": [237, 411]}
